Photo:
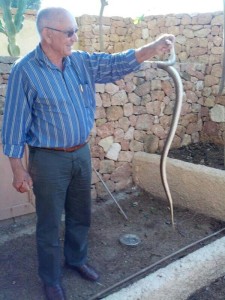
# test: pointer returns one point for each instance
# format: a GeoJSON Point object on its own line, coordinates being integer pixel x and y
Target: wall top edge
{"type": "Point", "coordinates": [34, 12]}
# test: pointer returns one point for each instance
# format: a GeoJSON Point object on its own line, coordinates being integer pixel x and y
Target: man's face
{"type": "Point", "coordinates": [62, 35]}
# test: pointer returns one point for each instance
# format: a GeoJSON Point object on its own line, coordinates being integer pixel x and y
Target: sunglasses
{"type": "Point", "coordinates": [69, 33]}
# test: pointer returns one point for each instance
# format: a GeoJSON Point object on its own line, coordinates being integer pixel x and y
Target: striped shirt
{"type": "Point", "coordinates": [47, 107]}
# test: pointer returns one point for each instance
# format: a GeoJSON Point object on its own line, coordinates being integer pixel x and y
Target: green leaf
{"type": "Point", "coordinates": [138, 19]}
{"type": "Point", "coordinates": [19, 16]}
{"type": "Point", "coordinates": [2, 29]}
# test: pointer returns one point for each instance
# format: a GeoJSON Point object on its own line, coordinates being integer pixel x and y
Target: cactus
{"type": "Point", "coordinates": [12, 25]}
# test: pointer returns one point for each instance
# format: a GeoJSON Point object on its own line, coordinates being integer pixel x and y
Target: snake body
{"type": "Point", "coordinates": [168, 67]}
{"type": "Point", "coordinates": [176, 114]}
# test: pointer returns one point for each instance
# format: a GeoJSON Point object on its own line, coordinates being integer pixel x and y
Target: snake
{"type": "Point", "coordinates": [168, 66]}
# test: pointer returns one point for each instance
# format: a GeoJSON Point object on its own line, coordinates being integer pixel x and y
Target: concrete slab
{"type": "Point", "coordinates": [197, 187]}
{"type": "Point", "coordinates": [180, 279]}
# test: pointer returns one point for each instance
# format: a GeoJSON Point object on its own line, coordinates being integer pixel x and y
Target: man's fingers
{"type": "Point", "coordinates": [24, 186]}
{"type": "Point", "coordinates": [30, 183]}
{"type": "Point", "coordinates": [168, 42]}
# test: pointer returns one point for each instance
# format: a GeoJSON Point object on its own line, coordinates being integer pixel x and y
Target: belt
{"type": "Point", "coordinates": [69, 149]}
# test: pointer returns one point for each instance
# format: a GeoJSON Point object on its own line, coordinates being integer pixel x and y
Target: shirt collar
{"type": "Point", "coordinates": [43, 59]}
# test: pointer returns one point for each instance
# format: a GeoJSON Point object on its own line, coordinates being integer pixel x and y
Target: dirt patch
{"type": "Point", "coordinates": [207, 154]}
{"type": "Point", "coordinates": [148, 218]}
{"type": "Point", "coordinates": [214, 291]}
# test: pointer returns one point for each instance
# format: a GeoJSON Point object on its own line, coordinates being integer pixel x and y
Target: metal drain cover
{"type": "Point", "coordinates": [130, 239]}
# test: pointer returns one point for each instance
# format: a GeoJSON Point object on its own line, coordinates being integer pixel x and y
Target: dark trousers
{"type": "Point", "coordinates": [61, 181]}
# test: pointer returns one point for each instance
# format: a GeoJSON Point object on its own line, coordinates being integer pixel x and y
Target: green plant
{"type": "Point", "coordinates": [12, 25]}
{"type": "Point", "coordinates": [138, 19]}
{"type": "Point", "coordinates": [31, 4]}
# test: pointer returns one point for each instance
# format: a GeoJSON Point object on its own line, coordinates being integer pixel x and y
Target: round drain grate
{"type": "Point", "coordinates": [129, 239]}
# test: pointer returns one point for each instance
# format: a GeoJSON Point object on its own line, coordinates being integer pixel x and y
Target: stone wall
{"type": "Point", "coordinates": [5, 67]}
{"type": "Point", "coordinates": [199, 49]}
{"type": "Point", "coordinates": [134, 114]}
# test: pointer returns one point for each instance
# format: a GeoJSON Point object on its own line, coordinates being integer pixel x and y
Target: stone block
{"type": "Point", "coordinates": [195, 187]}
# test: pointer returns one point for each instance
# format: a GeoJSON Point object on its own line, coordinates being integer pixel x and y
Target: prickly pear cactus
{"type": "Point", "coordinates": [12, 25]}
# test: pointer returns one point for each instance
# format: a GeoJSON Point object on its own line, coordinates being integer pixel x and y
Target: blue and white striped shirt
{"type": "Point", "coordinates": [47, 107]}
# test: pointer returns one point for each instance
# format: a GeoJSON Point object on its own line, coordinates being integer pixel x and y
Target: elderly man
{"type": "Point", "coordinates": [50, 106]}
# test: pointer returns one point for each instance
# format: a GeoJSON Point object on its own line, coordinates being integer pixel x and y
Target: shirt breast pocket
{"type": "Point", "coordinates": [87, 96]}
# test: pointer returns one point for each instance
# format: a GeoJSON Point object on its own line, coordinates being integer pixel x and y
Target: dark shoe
{"type": "Point", "coordinates": [86, 271]}
{"type": "Point", "coordinates": [54, 292]}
